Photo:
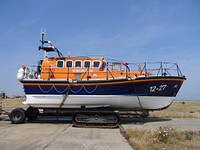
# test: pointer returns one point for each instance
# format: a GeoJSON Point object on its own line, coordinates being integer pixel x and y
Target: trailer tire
{"type": "Point", "coordinates": [17, 116]}
{"type": "Point", "coordinates": [32, 113]}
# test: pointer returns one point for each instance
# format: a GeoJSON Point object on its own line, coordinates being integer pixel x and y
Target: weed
{"type": "Point", "coordinates": [164, 135]}
{"type": "Point", "coordinates": [164, 138]}
{"type": "Point", "coordinates": [187, 135]}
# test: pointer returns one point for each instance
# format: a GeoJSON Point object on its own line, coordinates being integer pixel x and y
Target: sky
{"type": "Point", "coordinates": [129, 30]}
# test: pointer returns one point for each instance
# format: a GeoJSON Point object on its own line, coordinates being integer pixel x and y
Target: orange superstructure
{"type": "Point", "coordinates": [82, 68]}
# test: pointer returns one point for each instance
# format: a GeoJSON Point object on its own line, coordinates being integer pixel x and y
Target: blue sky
{"type": "Point", "coordinates": [131, 30]}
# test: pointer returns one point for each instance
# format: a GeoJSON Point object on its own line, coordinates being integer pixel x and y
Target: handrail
{"type": "Point", "coordinates": [144, 69]}
{"type": "Point", "coordinates": [108, 71]}
{"type": "Point", "coordinates": [160, 68]}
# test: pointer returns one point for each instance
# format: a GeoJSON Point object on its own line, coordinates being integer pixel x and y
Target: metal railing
{"type": "Point", "coordinates": [143, 69]}
{"type": "Point", "coordinates": [158, 68]}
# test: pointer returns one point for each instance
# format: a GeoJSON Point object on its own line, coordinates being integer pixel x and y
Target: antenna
{"type": "Point", "coordinates": [48, 48]}
{"type": "Point", "coordinates": [43, 33]}
{"type": "Point", "coordinates": [68, 53]}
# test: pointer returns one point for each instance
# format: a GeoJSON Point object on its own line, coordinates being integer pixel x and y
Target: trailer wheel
{"type": "Point", "coordinates": [32, 113]}
{"type": "Point", "coordinates": [17, 116]}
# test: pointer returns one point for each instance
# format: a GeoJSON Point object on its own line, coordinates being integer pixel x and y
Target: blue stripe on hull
{"type": "Point", "coordinates": [81, 90]}
{"type": "Point", "coordinates": [144, 88]}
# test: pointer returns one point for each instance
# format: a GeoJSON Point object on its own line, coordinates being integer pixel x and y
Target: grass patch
{"type": "Point", "coordinates": [12, 103]}
{"type": "Point", "coordinates": [179, 110]}
{"type": "Point", "coordinates": [189, 109]}
{"type": "Point", "coordinates": [163, 138]}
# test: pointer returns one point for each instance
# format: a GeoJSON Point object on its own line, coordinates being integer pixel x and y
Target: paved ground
{"type": "Point", "coordinates": [191, 124]}
{"type": "Point", "coordinates": [58, 133]}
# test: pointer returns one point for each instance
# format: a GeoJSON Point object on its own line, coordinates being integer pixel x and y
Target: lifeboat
{"type": "Point", "coordinates": [95, 89]}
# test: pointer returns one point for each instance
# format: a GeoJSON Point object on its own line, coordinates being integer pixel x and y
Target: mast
{"type": "Point", "coordinates": [49, 48]}
{"type": "Point", "coordinates": [42, 41]}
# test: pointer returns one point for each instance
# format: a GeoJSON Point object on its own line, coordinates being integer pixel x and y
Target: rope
{"type": "Point", "coordinates": [68, 88]}
{"type": "Point", "coordinates": [90, 92]}
{"type": "Point", "coordinates": [138, 97]}
{"type": "Point", "coordinates": [45, 91]}
{"type": "Point", "coordinates": [61, 91]}
{"type": "Point", "coordinates": [64, 98]}
{"type": "Point", "coordinates": [76, 91]}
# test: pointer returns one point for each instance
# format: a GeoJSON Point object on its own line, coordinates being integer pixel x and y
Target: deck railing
{"type": "Point", "coordinates": [144, 69]}
{"type": "Point", "coordinates": [158, 68]}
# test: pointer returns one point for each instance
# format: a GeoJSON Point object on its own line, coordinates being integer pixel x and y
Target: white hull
{"type": "Point", "coordinates": [92, 101]}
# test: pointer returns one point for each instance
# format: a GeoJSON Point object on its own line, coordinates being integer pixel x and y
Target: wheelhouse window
{"type": "Point", "coordinates": [78, 64]}
{"type": "Point", "coordinates": [96, 64]}
{"type": "Point", "coordinates": [87, 64]}
{"type": "Point", "coordinates": [60, 64]}
{"type": "Point", "coordinates": [69, 64]}
{"type": "Point", "coordinates": [116, 66]}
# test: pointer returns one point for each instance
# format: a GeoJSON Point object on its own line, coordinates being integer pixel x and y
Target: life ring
{"type": "Point", "coordinates": [125, 63]}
